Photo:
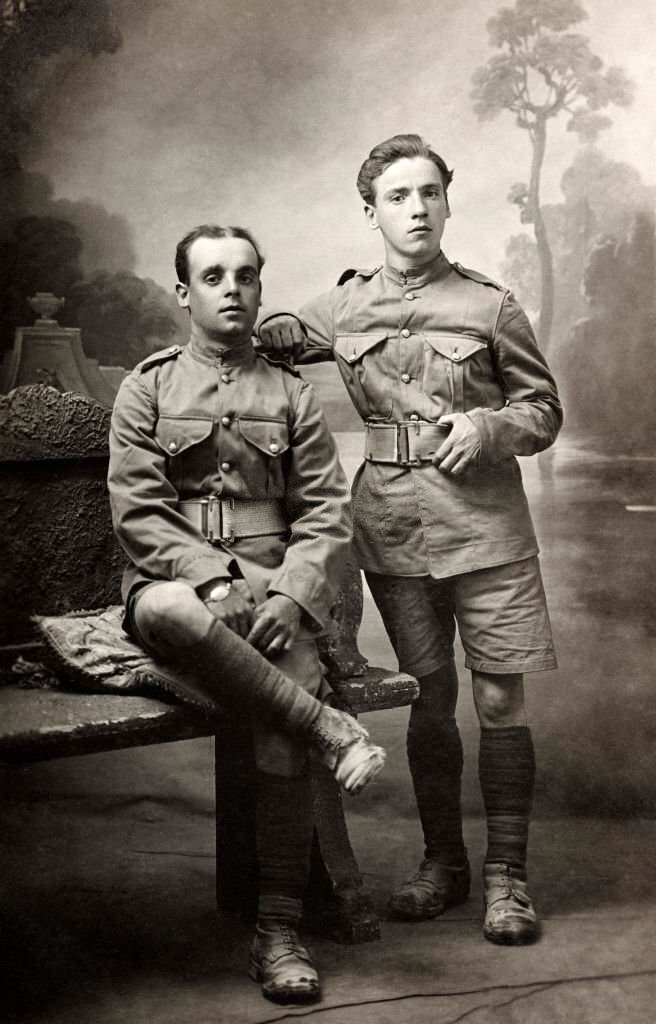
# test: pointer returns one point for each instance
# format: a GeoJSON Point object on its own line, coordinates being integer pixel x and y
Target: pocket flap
{"type": "Point", "coordinates": [455, 346]}
{"type": "Point", "coordinates": [176, 435]}
{"type": "Point", "coordinates": [270, 436]}
{"type": "Point", "coordinates": [352, 347]}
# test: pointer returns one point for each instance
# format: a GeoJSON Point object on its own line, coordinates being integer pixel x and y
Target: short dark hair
{"type": "Point", "coordinates": [387, 153]}
{"type": "Point", "coordinates": [210, 231]}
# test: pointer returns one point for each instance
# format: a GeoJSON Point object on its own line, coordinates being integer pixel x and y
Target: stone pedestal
{"type": "Point", "coordinates": [49, 354]}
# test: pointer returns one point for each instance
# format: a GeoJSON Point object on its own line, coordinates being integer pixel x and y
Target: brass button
{"type": "Point", "coordinates": [274, 448]}
{"type": "Point", "coordinates": [414, 417]}
{"type": "Point", "coordinates": [226, 421]}
{"type": "Point", "coordinates": [405, 333]}
{"type": "Point", "coordinates": [173, 446]}
{"type": "Point", "coordinates": [226, 467]}
{"type": "Point", "coordinates": [225, 378]}
{"type": "Point", "coordinates": [410, 296]}
{"type": "Point", "coordinates": [456, 356]}
{"type": "Point", "coordinates": [405, 377]}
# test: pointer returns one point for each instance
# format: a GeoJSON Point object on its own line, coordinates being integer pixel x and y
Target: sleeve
{"type": "Point", "coordinates": [532, 416]}
{"type": "Point", "coordinates": [160, 542]}
{"type": "Point", "coordinates": [316, 319]}
{"type": "Point", "coordinates": [319, 511]}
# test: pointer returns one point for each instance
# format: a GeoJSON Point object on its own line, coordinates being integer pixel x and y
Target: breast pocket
{"type": "Point", "coordinates": [265, 443]}
{"type": "Point", "coordinates": [189, 448]}
{"type": "Point", "coordinates": [456, 367]}
{"type": "Point", "coordinates": [365, 365]}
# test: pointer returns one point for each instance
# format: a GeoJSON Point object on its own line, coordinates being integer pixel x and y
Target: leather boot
{"type": "Point", "coordinates": [430, 891]}
{"type": "Point", "coordinates": [282, 965]}
{"type": "Point", "coordinates": [510, 918]}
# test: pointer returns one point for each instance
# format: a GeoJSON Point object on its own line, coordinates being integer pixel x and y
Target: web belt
{"type": "Point", "coordinates": [407, 443]}
{"type": "Point", "coordinates": [228, 519]}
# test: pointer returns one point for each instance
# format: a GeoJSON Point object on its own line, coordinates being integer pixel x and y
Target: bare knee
{"type": "Point", "coordinates": [499, 699]}
{"type": "Point", "coordinates": [170, 616]}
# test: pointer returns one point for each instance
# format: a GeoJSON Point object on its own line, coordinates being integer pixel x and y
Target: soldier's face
{"type": "Point", "coordinates": [410, 211]}
{"type": "Point", "coordinates": [223, 294]}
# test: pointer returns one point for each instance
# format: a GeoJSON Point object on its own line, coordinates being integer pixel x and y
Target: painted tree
{"type": "Point", "coordinates": [544, 71]}
{"type": "Point", "coordinates": [30, 32]}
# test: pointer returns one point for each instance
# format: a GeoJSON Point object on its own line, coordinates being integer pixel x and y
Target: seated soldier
{"type": "Point", "coordinates": [228, 497]}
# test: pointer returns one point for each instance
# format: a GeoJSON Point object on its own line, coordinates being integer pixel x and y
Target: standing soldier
{"type": "Point", "coordinates": [443, 367]}
{"type": "Point", "coordinates": [229, 500]}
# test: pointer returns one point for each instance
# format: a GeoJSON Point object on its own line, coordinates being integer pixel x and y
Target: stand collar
{"type": "Point", "coordinates": [223, 355]}
{"type": "Point", "coordinates": [415, 277]}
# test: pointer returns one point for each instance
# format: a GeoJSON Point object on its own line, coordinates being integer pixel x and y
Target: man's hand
{"type": "Point", "coordinates": [236, 610]}
{"type": "Point", "coordinates": [282, 336]}
{"type": "Point", "coordinates": [462, 446]}
{"type": "Point", "coordinates": [276, 624]}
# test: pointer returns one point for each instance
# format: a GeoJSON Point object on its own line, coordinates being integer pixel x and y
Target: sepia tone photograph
{"type": "Point", "coordinates": [328, 511]}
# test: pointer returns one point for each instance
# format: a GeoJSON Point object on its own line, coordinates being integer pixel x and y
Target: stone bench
{"type": "Point", "coordinates": [59, 554]}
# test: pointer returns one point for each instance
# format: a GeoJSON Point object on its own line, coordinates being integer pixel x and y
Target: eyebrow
{"type": "Point", "coordinates": [404, 190]}
{"type": "Point", "coordinates": [217, 268]}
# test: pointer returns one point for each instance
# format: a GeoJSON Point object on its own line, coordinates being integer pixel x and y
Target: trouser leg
{"type": "Point", "coordinates": [435, 758]}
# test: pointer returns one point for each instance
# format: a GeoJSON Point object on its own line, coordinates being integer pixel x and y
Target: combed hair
{"type": "Point", "coordinates": [387, 153]}
{"type": "Point", "coordinates": [210, 231]}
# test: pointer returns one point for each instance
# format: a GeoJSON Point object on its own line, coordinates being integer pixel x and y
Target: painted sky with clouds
{"type": "Point", "coordinates": [260, 112]}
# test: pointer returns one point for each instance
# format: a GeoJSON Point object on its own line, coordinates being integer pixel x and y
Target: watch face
{"type": "Point", "coordinates": [219, 592]}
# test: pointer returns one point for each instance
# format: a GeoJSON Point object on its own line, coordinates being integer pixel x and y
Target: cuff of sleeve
{"type": "Point", "coordinates": [482, 420]}
{"type": "Point", "coordinates": [310, 596]}
{"type": "Point", "coordinates": [204, 567]}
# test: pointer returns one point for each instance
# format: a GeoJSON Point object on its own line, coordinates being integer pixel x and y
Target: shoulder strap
{"type": "Point", "coordinates": [156, 358]}
{"type": "Point", "coordinates": [474, 275]}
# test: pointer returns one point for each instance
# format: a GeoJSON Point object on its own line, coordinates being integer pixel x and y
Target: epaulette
{"type": "Point", "coordinates": [474, 275]}
{"type": "Point", "coordinates": [280, 363]}
{"type": "Point", "coordinates": [370, 272]}
{"type": "Point", "coordinates": [159, 357]}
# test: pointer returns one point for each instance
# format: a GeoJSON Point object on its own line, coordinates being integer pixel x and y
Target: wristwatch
{"type": "Point", "coordinates": [220, 591]}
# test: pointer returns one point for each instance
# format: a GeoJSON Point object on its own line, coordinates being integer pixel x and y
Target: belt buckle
{"type": "Point", "coordinates": [403, 446]}
{"type": "Point", "coordinates": [213, 521]}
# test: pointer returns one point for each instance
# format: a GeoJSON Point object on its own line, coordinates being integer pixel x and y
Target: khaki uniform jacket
{"type": "Point", "coordinates": [438, 340]}
{"type": "Point", "coordinates": [185, 426]}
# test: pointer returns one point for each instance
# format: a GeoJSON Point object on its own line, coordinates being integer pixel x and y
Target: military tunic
{"type": "Point", "coordinates": [238, 426]}
{"type": "Point", "coordinates": [415, 346]}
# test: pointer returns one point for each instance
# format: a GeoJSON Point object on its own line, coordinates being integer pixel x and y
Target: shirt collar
{"type": "Point", "coordinates": [415, 277]}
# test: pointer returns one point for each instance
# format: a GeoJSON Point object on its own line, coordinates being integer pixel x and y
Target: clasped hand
{"type": "Point", "coordinates": [282, 336]}
{"type": "Point", "coordinates": [462, 446]}
{"type": "Point", "coordinates": [271, 627]}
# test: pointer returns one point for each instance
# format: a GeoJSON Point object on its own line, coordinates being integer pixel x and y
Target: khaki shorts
{"type": "Point", "coordinates": [501, 613]}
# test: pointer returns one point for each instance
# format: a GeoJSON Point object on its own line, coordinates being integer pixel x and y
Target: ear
{"type": "Point", "coordinates": [182, 294]}
{"type": "Point", "coordinates": [448, 208]}
{"type": "Point", "coordinates": [370, 214]}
